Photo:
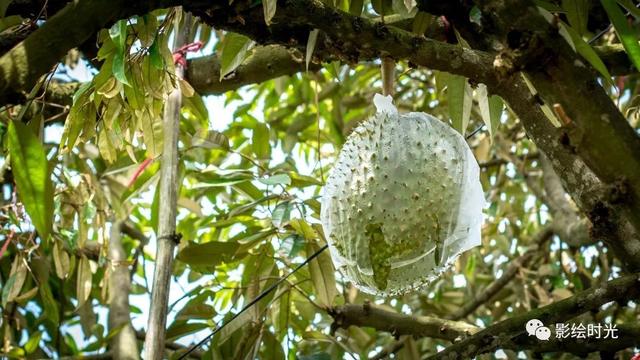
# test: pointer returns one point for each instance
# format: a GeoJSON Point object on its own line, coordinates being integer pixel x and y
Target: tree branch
{"type": "Point", "coordinates": [509, 273]}
{"type": "Point", "coordinates": [350, 38]}
{"type": "Point", "coordinates": [510, 333]}
{"type": "Point", "coordinates": [572, 227]}
{"type": "Point", "coordinates": [399, 324]}
{"type": "Point", "coordinates": [266, 63]}
{"type": "Point", "coordinates": [123, 344]}
{"type": "Point", "coordinates": [594, 128]}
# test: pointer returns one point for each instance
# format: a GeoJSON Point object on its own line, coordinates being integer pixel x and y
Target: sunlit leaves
{"type": "Point", "coordinates": [490, 108]}
{"type": "Point", "coordinates": [83, 281]}
{"type": "Point", "coordinates": [279, 179]}
{"type": "Point", "coordinates": [459, 98]}
{"type": "Point", "coordinates": [587, 52]}
{"type": "Point", "coordinates": [208, 254]}
{"type": "Point", "coordinates": [32, 176]}
{"type": "Point", "coordinates": [233, 51]}
{"type": "Point", "coordinates": [60, 261]}
{"type": "Point", "coordinates": [260, 141]}
{"type": "Point", "coordinates": [14, 284]}
{"type": "Point", "coordinates": [151, 124]}
{"type": "Point", "coordinates": [118, 33]}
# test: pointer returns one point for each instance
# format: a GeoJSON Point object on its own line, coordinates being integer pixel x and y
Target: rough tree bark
{"type": "Point", "coordinates": [123, 344]}
{"type": "Point", "coordinates": [507, 334]}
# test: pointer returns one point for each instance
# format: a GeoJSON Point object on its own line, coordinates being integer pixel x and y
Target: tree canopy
{"type": "Point", "coordinates": [192, 139]}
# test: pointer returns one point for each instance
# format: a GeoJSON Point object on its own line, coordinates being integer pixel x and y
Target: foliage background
{"type": "Point", "coordinates": [252, 164]}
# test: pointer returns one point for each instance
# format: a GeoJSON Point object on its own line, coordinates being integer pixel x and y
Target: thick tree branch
{"type": "Point", "coordinates": [508, 334]}
{"type": "Point", "coordinates": [593, 128]}
{"type": "Point", "coordinates": [399, 324]}
{"type": "Point", "coordinates": [511, 332]}
{"type": "Point", "coordinates": [265, 63]}
{"type": "Point", "coordinates": [572, 227]}
{"type": "Point", "coordinates": [353, 39]}
{"type": "Point", "coordinates": [123, 344]}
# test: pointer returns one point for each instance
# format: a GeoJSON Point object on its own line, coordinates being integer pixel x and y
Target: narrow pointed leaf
{"type": "Point", "coordinates": [233, 52]}
{"type": "Point", "coordinates": [311, 45]}
{"type": "Point", "coordinates": [32, 176]}
{"type": "Point", "coordinates": [625, 33]}
{"type": "Point", "coordinates": [459, 96]}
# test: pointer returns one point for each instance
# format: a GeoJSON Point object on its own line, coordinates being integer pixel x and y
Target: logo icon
{"type": "Point", "coordinates": [536, 328]}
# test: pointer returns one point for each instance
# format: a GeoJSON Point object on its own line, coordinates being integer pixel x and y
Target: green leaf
{"type": "Point", "coordinates": [490, 109]}
{"type": "Point", "coordinates": [233, 52]}
{"type": "Point", "coordinates": [548, 6]}
{"type": "Point", "coordinates": [382, 7]}
{"type": "Point", "coordinates": [322, 275]}
{"type": "Point", "coordinates": [33, 342]}
{"type": "Point", "coordinates": [269, 7]}
{"type": "Point", "coordinates": [421, 22]}
{"type": "Point", "coordinates": [9, 21]}
{"type": "Point", "coordinates": [303, 228]}
{"type": "Point", "coordinates": [196, 311]}
{"type": "Point", "coordinates": [181, 328]}
{"type": "Point", "coordinates": [315, 356]}
{"type": "Point", "coordinates": [586, 51]}
{"type": "Point", "coordinates": [48, 303]}
{"type": "Point", "coordinates": [208, 254]}
{"type": "Point", "coordinates": [4, 4]}
{"type": "Point", "coordinates": [631, 7]}
{"type": "Point", "coordinates": [625, 33]}
{"type": "Point", "coordinates": [118, 34]}
{"type": "Point", "coordinates": [281, 214]}
{"type": "Point", "coordinates": [459, 96]}
{"type": "Point", "coordinates": [152, 133]}
{"type": "Point", "coordinates": [32, 176]}
{"type": "Point", "coordinates": [279, 179]}
{"type": "Point", "coordinates": [17, 276]}
{"type": "Point", "coordinates": [355, 7]}
{"type": "Point", "coordinates": [155, 58]}
{"type": "Point", "coordinates": [577, 13]}
{"type": "Point", "coordinates": [213, 140]}
{"type": "Point", "coordinates": [83, 281]}
{"type": "Point", "coordinates": [311, 45]}
{"type": "Point", "coordinates": [260, 141]}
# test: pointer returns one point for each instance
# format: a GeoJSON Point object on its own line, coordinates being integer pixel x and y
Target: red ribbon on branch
{"type": "Point", "coordinates": [180, 55]}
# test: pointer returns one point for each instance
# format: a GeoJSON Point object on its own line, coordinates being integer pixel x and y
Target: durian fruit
{"type": "Point", "coordinates": [402, 202]}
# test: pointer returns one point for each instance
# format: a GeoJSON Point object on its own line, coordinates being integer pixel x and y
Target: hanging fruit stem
{"type": "Point", "coordinates": [388, 70]}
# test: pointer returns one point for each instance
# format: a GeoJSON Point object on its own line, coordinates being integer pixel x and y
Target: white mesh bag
{"type": "Point", "coordinates": [402, 202]}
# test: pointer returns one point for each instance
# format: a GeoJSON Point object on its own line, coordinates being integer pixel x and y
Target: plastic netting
{"type": "Point", "coordinates": [402, 202]}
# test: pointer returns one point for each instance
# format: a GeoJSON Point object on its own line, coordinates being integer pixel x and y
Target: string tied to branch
{"type": "Point", "coordinates": [180, 55]}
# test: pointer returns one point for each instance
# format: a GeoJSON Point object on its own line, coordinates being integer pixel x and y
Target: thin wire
{"type": "Point", "coordinates": [477, 130]}
{"type": "Point", "coordinates": [253, 302]}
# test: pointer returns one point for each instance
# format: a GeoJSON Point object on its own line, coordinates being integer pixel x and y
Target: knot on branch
{"type": "Point", "coordinates": [381, 30]}
{"type": "Point", "coordinates": [357, 24]}
{"type": "Point", "coordinates": [175, 237]}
